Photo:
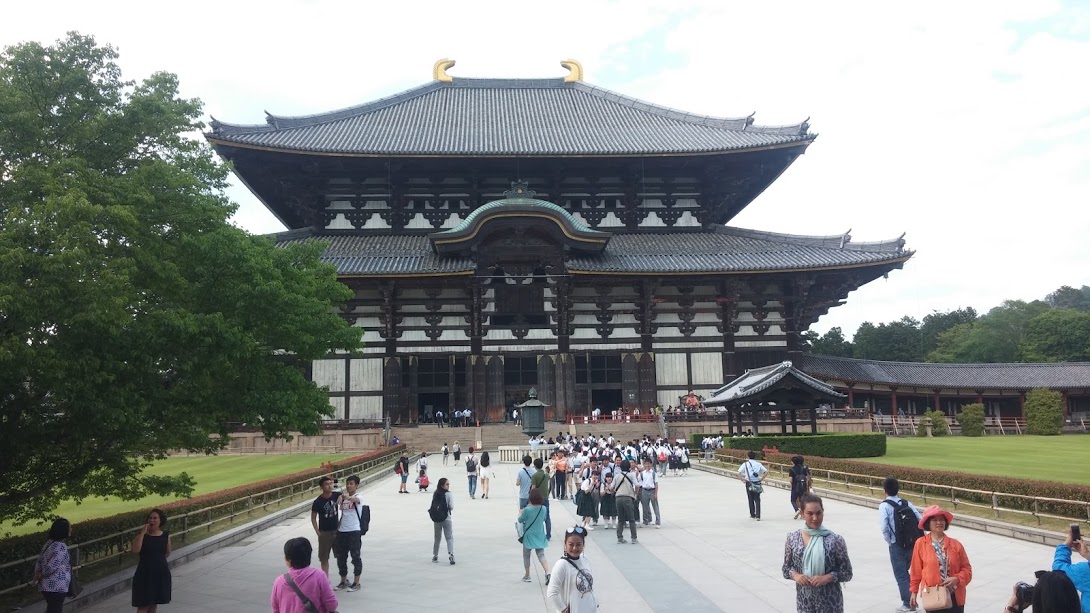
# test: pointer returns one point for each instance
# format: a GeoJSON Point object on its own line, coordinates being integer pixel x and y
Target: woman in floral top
{"type": "Point", "coordinates": [53, 571]}
{"type": "Point", "coordinates": [816, 559]}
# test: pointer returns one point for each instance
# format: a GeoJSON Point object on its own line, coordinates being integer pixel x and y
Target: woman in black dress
{"type": "Point", "coordinates": [801, 483]}
{"type": "Point", "coordinates": [151, 584]}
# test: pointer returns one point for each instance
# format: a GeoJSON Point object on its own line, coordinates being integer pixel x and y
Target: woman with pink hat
{"type": "Point", "coordinates": [940, 569]}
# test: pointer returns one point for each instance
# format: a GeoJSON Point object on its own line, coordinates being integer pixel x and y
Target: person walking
{"type": "Point", "coordinates": [324, 518]}
{"type": "Point", "coordinates": [899, 521]}
{"type": "Point", "coordinates": [472, 474]}
{"type": "Point", "coordinates": [446, 454]}
{"type": "Point", "coordinates": [753, 473]}
{"type": "Point", "coordinates": [485, 473]}
{"type": "Point", "coordinates": [543, 482]}
{"type": "Point", "coordinates": [441, 511]}
{"type": "Point", "coordinates": [816, 559]}
{"type": "Point", "coordinates": [524, 481]}
{"type": "Point", "coordinates": [422, 463]}
{"type": "Point", "coordinates": [457, 449]}
{"type": "Point", "coordinates": [939, 561]}
{"type": "Point", "coordinates": [801, 482]}
{"type": "Point", "coordinates": [649, 484]}
{"type": "Point", "coordinates": [151, 585]}
{"type": "Point", "coordinates": [585, 505]}
{"type": "Point", "coordinates": [301, 581]}
{"type": "Point", "coordinates": [439, 419]}
{"type": "Point", "coordinates": [402, 470]}
{"type": "Point", "coordinates": [571, 585]}
{"type": "Point", "coordinates": [533, 538]}
{"type": "Point", "coordinates": [53, 570]}
{"type": "Point", "coordinates": [625, 490]}
{"type": "Point", "coordinates": [349, 535]}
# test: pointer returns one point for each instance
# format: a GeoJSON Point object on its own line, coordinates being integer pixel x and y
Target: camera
{"type": "Point", "coordinates": [1024, 592]}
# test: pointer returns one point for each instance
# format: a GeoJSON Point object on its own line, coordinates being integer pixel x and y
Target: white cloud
{"type": "Point", "coordinates": [963, 124]}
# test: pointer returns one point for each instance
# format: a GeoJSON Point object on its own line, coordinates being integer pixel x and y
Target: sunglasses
{"type": "Point", "coordinates": [580, 530]}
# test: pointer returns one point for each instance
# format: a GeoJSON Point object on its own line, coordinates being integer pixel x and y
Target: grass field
{"type": "Point", "coordinates": [212, 473]}
{"type": "Point", "coordinates": [1047, 458]}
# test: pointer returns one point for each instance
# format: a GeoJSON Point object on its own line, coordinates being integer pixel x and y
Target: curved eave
{"type": "Point", "coordinates": [217, 141]}
{"type": "Point", "coordinates": [449, 241]}
{"type": "Point", "coordinates": [892, 263]}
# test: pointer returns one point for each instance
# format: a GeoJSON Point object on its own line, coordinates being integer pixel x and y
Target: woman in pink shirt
{"type": "Point", "coordinates": [312, 582]}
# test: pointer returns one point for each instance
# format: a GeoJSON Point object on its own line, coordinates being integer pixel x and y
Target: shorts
{"type": "Point", "coordinates": [404, 478]}
{"type": "Point", "coordinates": [325, 545]}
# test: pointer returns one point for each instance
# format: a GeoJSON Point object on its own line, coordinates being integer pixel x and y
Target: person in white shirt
{"type": "Point", "coordinates": [515, 417]}
{"type": "Point", "coordinates": [467, 415]}
{"type": "Point", "coordinates": [649, 494]}
{"type": "Point", "coordinates": [349, 531]}
{"type": "Point", "coordinates": [457, 419]}
{"type": "Point", "coordinates": [753, 473]}
{"type": "Point", "coordinates": [422, 463]}
{"type": "Point", "coordinates": [571, 584]}
{"type": "Point", "coordinates": [535, 442]}
{"type": "Point", "coordinates": [439, 419]}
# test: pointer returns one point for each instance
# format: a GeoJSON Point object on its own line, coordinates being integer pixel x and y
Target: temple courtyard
{"type": "Point", "coordinates": [708, 556]}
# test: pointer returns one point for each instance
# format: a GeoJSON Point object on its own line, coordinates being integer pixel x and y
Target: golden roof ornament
{"type": "Point", "coordinates": [439, 72]}
{"type": "Point", "coordinates": [576, 70]}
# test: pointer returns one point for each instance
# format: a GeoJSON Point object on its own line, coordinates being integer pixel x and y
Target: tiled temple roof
{"type": "Point", "coordinates": [757, 380]}
{"type": "Point", "coordinates": [1061, 375]}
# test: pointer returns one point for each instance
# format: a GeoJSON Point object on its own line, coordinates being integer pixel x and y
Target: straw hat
{"type": "Point", "coordinates": [935, 511]}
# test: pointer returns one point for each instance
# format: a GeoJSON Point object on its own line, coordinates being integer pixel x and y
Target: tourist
{"type": "Point", "coordinates": [625, 490]}
{"type": "Point", "coordinates": [402, 470]}
{"type": "Point", "coordinates": [441, 511]}
{"type": "Point", "coordinates": [471, 473]}
{"type": "Point", "coordinates": [422, 463]}
{"type": "Point", "coordinates": [541, 481]}
{"type": "Point", "coordinates": [466, 414]}
{"type": "Point", "coordinates": [939, 560]}
{"type": "Point", "coordinates": [560, 475]}
{"type": "Point", "coordinates": [446, 454]}
{"type": "Point", "coordinates": [535, 442]}
{"type": "Point", "coordinates": [457, 449]}
{"type": "Point", "coordinates": [899, 519]}
{"type": "Point", "coordinates": [457, 421]}
{"type": "Point", "coordinates": [1079, 573]}
{"type": "Point", "coordinates": [151, 583]}
{"type": "Point", "coordinates": [485, 473]}
{"type": "Point", "coordinates": [753, 473]}
{"type": "Point", "coordinates": [439, 418]}
{"type": "Point", "coordinates": [683, 460]}
{"type": "Point", "coordinates": [607, 500]}
{"type": "Point", "coordinates": [800, 482]}
{"type": "Point", "coordinates": [395, 441]}
{"type": "Point", "coordinates": [648, 482]}
{"type": "Point", "coordinates": [305, 582]}
{"type": "Point", "coordinates": [816, 559]}
{"type": "Point", "coordinates": [571, 585]}
{"type": "Point", "coordinates": [53, 570]}
{"type": "Point", "coordinates": [532, 518]}
{"type": "Point", "coordinates": [324, 519]}
{"type": "Point", "coordinates": [524, 480]}
{"type": "Point", "coordinates": [1054, 592]}
{"type": "Point", "coordinates": [423, 482]}
{"type": "Point", "coordinates": [585, 504]}
{"type": "Point", "coordinates": [349, 535]}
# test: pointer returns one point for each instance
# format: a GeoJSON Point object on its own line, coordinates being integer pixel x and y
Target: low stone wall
{"type": "Point", "coordinates": [328, 442]}
{"type": "Point", "coordinates": [513, 454]}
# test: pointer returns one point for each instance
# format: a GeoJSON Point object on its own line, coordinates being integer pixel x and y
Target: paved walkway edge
{"type": "Point", "coordinates": [106, 587]}
{"type": "Point", "coordinates": [1029, 534]}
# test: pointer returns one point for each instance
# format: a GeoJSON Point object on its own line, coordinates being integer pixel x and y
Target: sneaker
{"type": "Point", "coordinates": [904, 609]}
{"type": "Point", "coordinates": [526, 579]}
{"type": "Point", "coordinates": [340, 586]}
{"type": "Point", "coordinates": [355, 587]}
{"type": "Point", "coordinates": [658, 526]}
{"type": "Point", "coordinates": [589, 528]}
{"type": "Point", "coordinates": [635, 542]}
{"type": "Point", "coordinates": [621, 541]}
{"type": "Point", "coordinates": [435, 558]}
{"type": "Point", "coordinates": [452, 560]}
{"type": "Point", "coordinates": [758, 519]}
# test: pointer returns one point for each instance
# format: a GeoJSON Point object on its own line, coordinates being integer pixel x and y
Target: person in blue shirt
{"type": "Point", "coordinates": [1078, 573]}
{"type": "Point", "coordinates": [899, 557]}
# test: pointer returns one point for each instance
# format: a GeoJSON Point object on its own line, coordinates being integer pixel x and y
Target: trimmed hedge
{"type": "Point", "coordinates": [28, 545]}
{"type": "Point", "coordinates": [971, 419]}
{"type": "Point", "coordinates": [1044, 412]}
{"type": "Point", "coordinates": [868, 472]}
{"type": "Point", "coordinates": [824, 444]}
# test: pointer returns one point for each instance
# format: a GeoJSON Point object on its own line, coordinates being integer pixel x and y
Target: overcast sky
{"type": "Point", "coordinates": [964, 125]}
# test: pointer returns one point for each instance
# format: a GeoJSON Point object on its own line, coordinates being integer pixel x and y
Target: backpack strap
{"type": "Point", "coordinates": [308, 606]}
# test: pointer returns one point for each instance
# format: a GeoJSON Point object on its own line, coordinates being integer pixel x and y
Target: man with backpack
{"type": "Point", "coordinates": [900, 528]}
{"type": "Point", "coordinates": [472, 473]}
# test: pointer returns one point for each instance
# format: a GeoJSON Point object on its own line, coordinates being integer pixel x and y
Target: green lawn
{"type": "Point", "coordinates": [1048, 458]}
{"type": "Point", "coordinates": [212, 473]}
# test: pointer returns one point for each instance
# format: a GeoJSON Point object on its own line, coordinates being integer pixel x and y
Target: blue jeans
{"type": "Point", "coordinates": [472, 485]}
{"type": "Point", "coordinates": [900, 558]}
{"type": "Point", "coordinates": [548, 520]}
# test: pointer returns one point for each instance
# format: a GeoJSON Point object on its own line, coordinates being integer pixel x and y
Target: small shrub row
{"type": "Point", "coordinates": [986, 484]}
{"type": "Point", "coordinates": [824, 444]}
{"type": "Point", "coordinates": [235, 500]}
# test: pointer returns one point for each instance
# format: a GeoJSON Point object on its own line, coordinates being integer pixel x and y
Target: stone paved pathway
{"type": "Point", "coordinates": [708, 556]}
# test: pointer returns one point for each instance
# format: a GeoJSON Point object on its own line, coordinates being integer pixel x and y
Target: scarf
{"type": "Point", "coordinates": [813, 558]}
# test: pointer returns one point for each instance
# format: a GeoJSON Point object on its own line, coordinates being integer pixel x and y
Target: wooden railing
{"type": "Point", "coordinates": [117, 545]}
{"type": "Point", "coordinates": [900, 425]}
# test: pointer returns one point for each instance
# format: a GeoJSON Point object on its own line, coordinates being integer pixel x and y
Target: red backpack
{"type": "Point", "coordinates": [424, 482]}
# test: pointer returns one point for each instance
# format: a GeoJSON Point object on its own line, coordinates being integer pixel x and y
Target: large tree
{"type": "Point", "coordinates": [1058, 335]}
{"type": "Point", "coordinates": [1067, 297]}
{"type": "Point", "coordinates": [898, 341]}
{"type": "Point", "coordinates": [993, 337]}
{"type": "Point", "coordinates": [134, 318]}
{"type": "Point", "coordinates": [831, 343]}
{"type": "Point", "coordinates": [937, 322]}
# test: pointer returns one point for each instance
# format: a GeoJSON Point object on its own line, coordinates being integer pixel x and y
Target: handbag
{"type": "Point", "coordinates": [934, 598]}
{"type": "Point", "coordinates": [755, 487]}
{"type": "Point", "coordinates": [521, 528]}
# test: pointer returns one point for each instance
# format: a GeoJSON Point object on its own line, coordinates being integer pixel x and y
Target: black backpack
{"type": "Point", "coordinates": [906, 526]}
{"type": "Point", "coordinates": [438, 510]}
{"type": "Point", "coordinates": [471, 465]}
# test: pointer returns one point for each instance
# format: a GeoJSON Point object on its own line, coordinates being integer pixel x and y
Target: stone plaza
{"type": "Point", "coordinates": [708, 556]}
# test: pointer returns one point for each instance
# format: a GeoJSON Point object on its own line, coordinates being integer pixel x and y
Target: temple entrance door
{"type": "Point", "coordinates": [429, 403]}
{"type": "Point", "coordinates": [514, 395]}
{"type": "Point", "coordinates": [608, 400]}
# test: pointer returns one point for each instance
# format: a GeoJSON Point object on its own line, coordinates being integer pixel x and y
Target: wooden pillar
{"type": "Point", "coordinates": [783, 421]}
{"type": "Point", "coordinates": [938, 400]}
{"type": "Point", "coordinates": [476, 384]}
{"type": "Point", "coordinates": [391, 388]}
{"type": "Point", "coordinates": [851, 395]}
{"type": "Point", "coordinates": [565, 386]}
{"type": "Point", "coordinates": [813, 419]}
{"type": "Point", "coordinates": [893, 400]}
{"type": "Point", "coordinates": [794, 421]}
{"type": "Point", "coordinates": [452, 398]}
{"type": "Point", "coordinates": [546, 384]}
{"type": "Point", "coordinates": [647, 382]}
{"type": "Point", "coordinates": [755, 419]}
{"type": "Point", "coordinates": [409, 409]}
{"type": "Point", "coordinates": [1063, 403]}
{"type": "Point", "coordinates": [495, 396]}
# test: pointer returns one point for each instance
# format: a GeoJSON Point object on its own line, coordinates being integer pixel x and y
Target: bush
{"type": "Point", "coordinates": [1044, 412]}
{"type": "Point", "coordinates": [824, 444]}
{"type": "Point", "coordinates": [233, 500]}
{"type": "Point", "coordinates": [937, 419]}
{"type": "Point", "coordinates": [971, 419]}
{"type": "Point", "coordinates": [866, 473]}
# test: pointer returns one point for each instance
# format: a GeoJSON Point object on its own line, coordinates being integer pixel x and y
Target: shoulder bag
{"type": "Point", "coordinates": [308, 606]}
{"type": "Point", "coordinates": [521, 528]}
{"type": "Point", "coordinates": [936, 598]}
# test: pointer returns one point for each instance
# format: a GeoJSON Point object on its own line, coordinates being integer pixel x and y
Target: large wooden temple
{"type": "Point", "coordinates": [503, 234]}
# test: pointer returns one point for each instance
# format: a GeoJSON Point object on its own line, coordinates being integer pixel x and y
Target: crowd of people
{"type": "Point", "coordinates": [614, 485]}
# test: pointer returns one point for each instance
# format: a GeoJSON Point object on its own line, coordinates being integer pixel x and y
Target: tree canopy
{"type": "Point", "coordinates": [134, 318]}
